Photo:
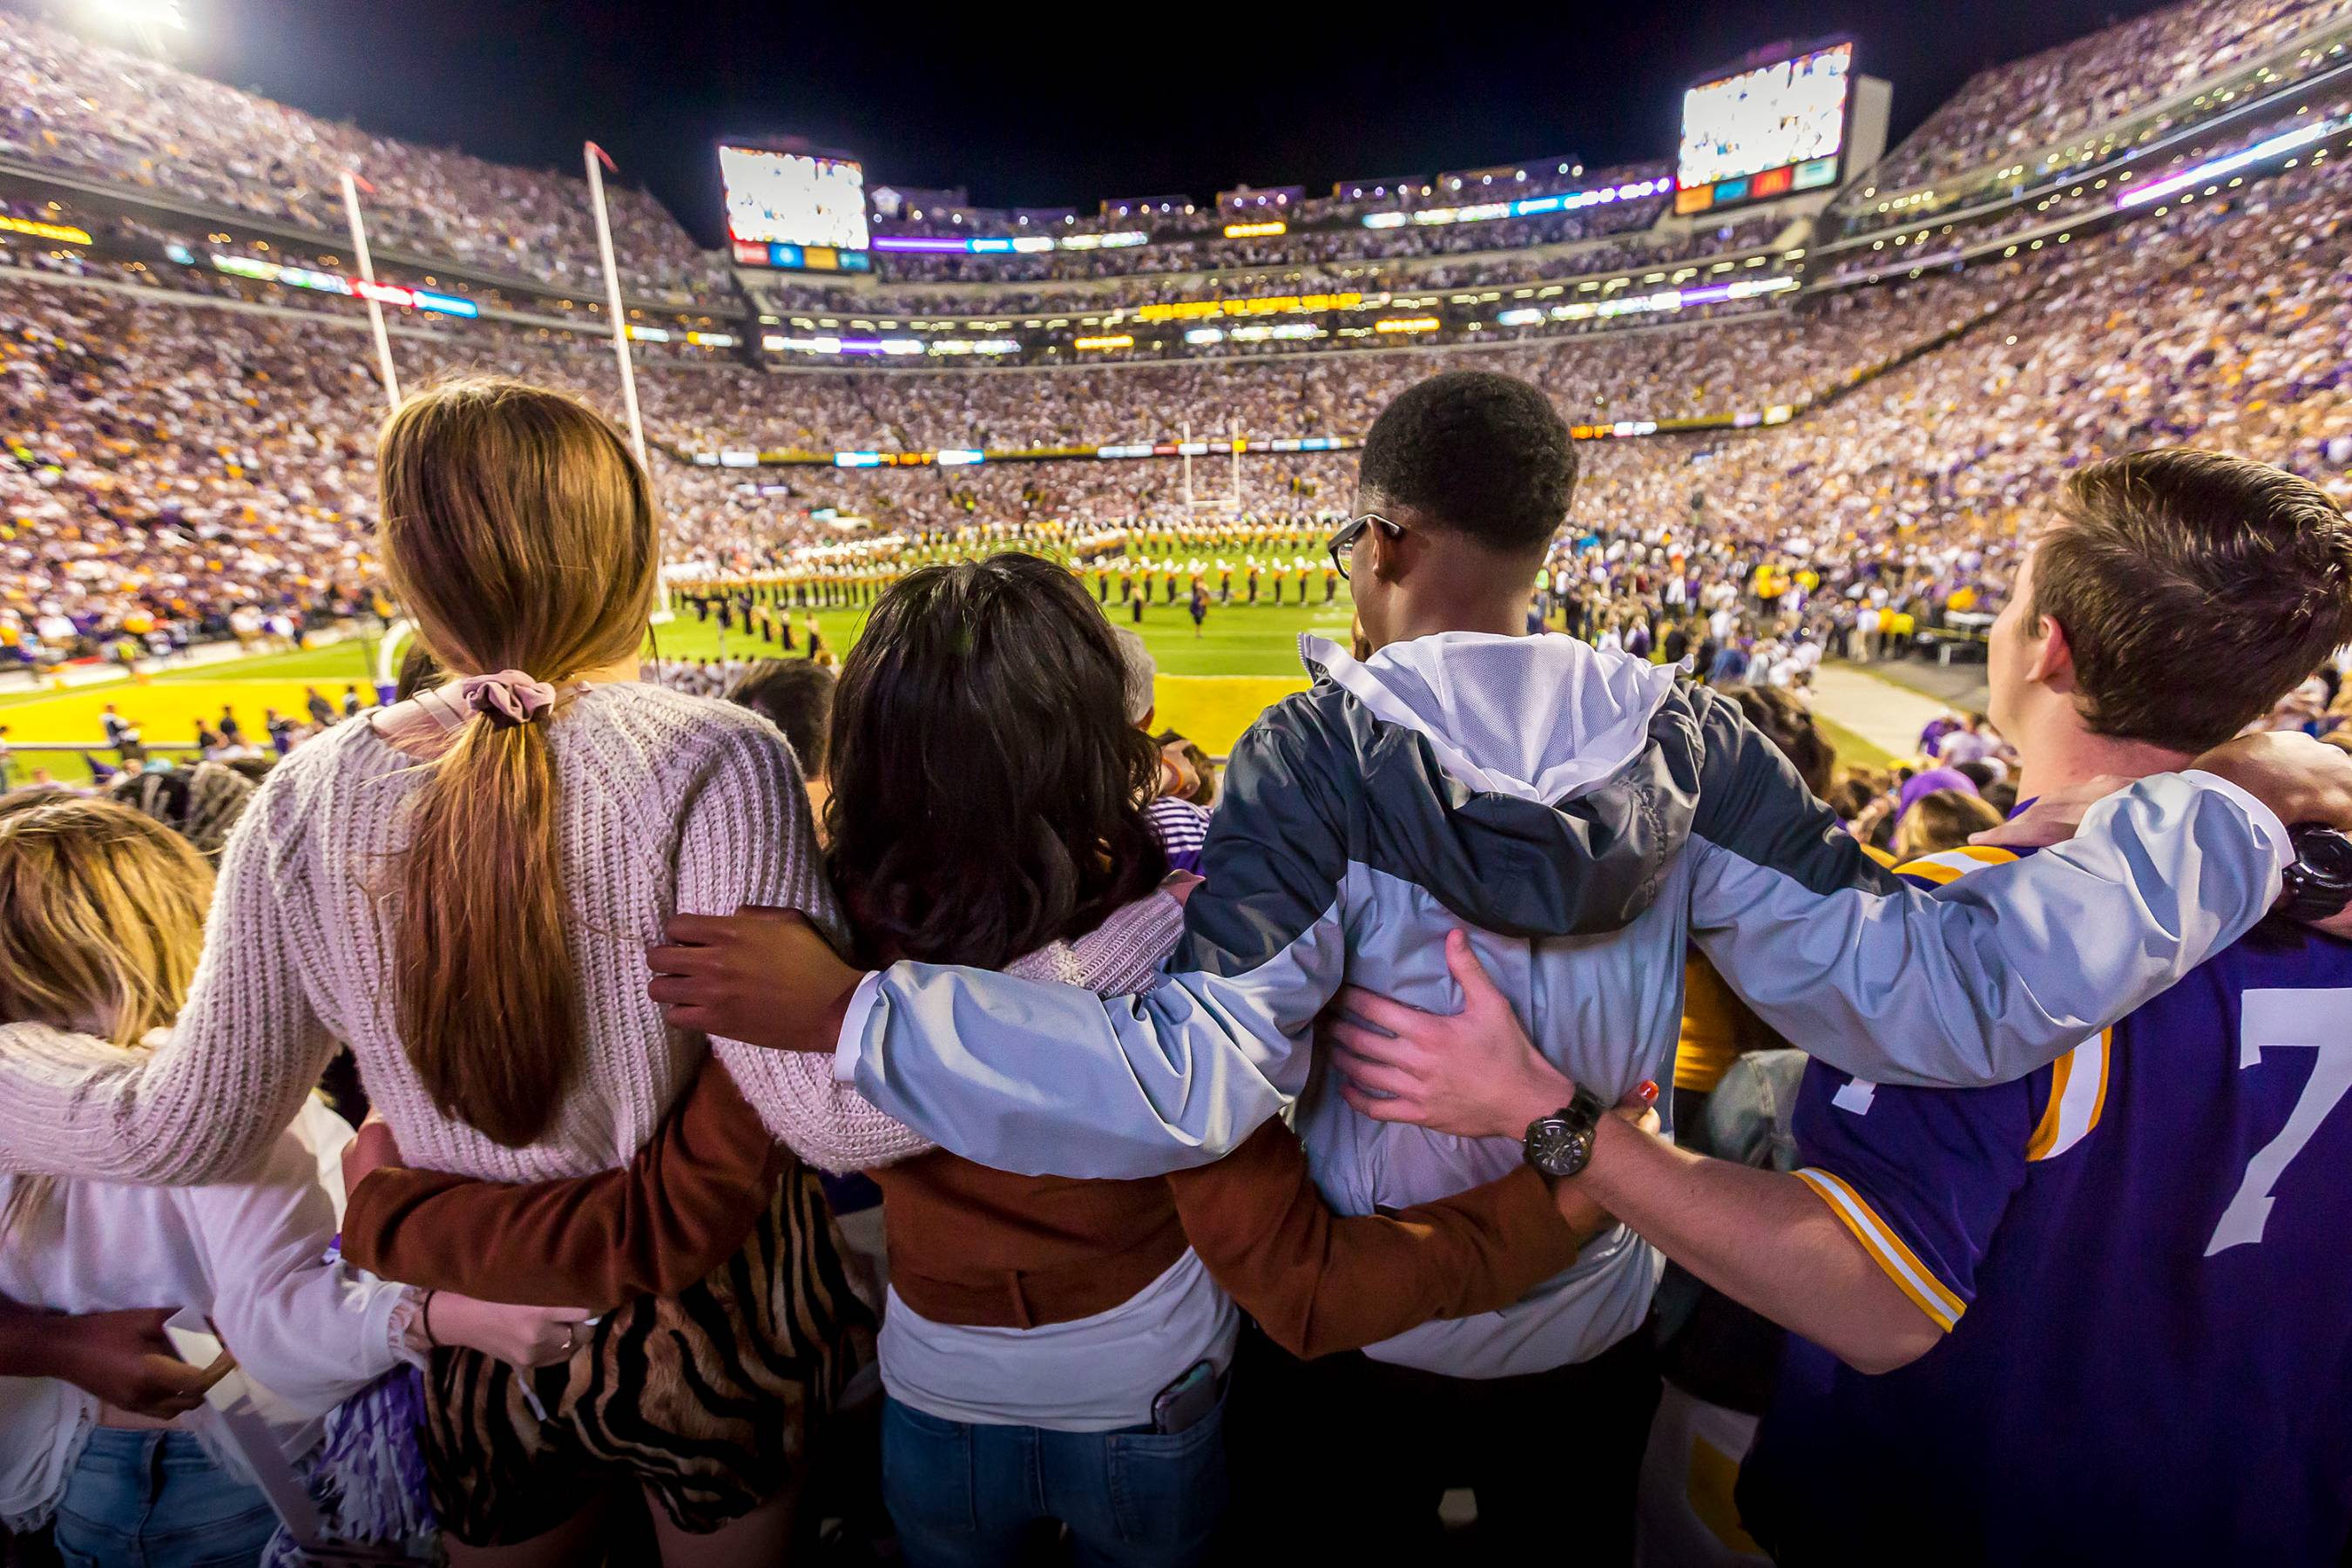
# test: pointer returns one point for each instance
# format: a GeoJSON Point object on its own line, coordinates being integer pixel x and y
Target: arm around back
{"type": "Point", "coordinates": [1051, 1079]}
{"type": "Point", "coordinates": [1319, 1282]}
{"type": "Point", "coordinates": [678, 1210]}
{"type": "Point", "coordinates": [207, 1103]}
{"type": "Point", "coordinates": [1992, 976]}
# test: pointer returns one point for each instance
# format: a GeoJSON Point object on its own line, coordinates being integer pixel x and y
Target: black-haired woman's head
{"type": "Point", "coordinates": [987, 785]}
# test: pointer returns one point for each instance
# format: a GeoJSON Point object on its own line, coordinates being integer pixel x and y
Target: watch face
{"type": "Point", "coordinates": [2328, 854]}
{"type": "Point", "coordinates": [1557, 1147]}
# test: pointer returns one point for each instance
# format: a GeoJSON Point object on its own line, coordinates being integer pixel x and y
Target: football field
{"type": "Point", "coordinates": [1211, 686]}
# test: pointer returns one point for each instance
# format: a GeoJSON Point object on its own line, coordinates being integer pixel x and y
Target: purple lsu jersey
{"type": "Point", "coordinates": [2142, 1259]}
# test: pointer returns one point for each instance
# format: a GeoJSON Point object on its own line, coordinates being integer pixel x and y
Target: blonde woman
{"type": "Point", "coordinates": [101, 915]}
{"type": "Point", "coordinates": [462, 889]}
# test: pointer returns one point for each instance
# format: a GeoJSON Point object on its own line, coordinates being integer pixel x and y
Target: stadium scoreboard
{"type": "Point", "coordinates": [1764, 133]}
{"type": "Point", "coordinates": [803, 211]}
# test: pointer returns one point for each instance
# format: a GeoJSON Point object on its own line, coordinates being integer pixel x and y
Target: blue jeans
{"type": "Point", "coordinates": [153, 1500]}
{"type": "Point", "coordinates": [966, 1497]}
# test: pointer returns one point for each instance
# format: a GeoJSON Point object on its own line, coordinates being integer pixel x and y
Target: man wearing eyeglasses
{"type": "Point", "coordinates": [1589, 818]}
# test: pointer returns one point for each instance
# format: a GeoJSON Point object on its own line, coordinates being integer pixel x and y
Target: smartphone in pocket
{"type": "Point", "coordinates": [1186, 1402]}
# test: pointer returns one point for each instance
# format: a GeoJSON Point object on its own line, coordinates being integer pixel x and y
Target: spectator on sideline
{"type": "Point", "coordinates": [795, 695]}
{"type": "Point", "coordinates": [1968, 743]}
{"type": "Point", "coordinates": [1941, 819]}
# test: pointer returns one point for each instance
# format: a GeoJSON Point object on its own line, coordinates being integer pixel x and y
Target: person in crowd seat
{"type": "Point", "coordinates": [2099, 1313]}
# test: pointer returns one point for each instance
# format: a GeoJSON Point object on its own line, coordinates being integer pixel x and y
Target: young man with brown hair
{"type": "Point", "coordinates": [2102, 1313]}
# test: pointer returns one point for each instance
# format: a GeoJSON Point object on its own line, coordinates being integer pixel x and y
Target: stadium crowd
{"type": "Point", "coordinates": [901, 1102]}
{"type": "Point", "coordinates": [2030, 105]}
{"type": "Point", "coordinates": [169, 465]}
{"type": "Point", "coordinates": [77, 105]}
{"type": "Point", "coordinates": [1081, 1326]}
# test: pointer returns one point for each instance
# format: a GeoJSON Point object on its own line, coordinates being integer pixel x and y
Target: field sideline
{"type": "Point", "coordinates": [1210, 686]}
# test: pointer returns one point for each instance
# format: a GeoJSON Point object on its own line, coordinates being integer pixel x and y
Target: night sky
{"type": "Point", "coordinates": [1037, 106]}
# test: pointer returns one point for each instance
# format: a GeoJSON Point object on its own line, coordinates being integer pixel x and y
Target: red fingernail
{"type": "Point", "coordinates": [1649, 1089]}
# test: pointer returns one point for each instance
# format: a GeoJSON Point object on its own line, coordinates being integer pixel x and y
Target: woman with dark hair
{"type": "Point", "coordinates": [1052, 1349]}
{"type": "Point", "coordinates": [986, 780]}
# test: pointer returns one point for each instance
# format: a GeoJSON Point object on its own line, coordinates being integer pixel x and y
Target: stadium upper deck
{"type": "Point", "coordinates": [171, 173]}
{"type": "Point", "coordinates": [2052, 114]}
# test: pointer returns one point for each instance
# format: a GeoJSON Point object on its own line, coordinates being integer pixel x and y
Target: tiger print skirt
{"type": "Point", "coordinates": [706, 1401]}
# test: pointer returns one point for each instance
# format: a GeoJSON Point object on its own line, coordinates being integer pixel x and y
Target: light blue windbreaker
{"type": "Point", "coordinates": [1586, 817]}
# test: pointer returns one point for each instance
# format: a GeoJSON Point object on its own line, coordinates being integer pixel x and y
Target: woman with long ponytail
{"type": "Point", "coordinates": [461, 890]}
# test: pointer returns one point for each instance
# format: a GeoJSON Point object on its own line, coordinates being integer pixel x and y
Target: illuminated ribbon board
{"type": "Point", "coordinates": [663, 335]}
{"type": "Point", "coordinates": [777, 344]}
{"type": "Point", "coordinates": [1020, 245]}
{"type": "Point", "coordinates": [64, 234]}
{"type": "Point", "coordinates": [1529, 207]}
{"type": "Point", "coordinates": [2286, 141]}
{"type": "Point", "coordinates": [336, 283]}
{"type": "Point", "coordinates": [1642, 304]}
{"type": "Point", "coordinates": [1262, 305]}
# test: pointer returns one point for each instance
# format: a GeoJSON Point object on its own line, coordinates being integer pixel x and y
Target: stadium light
{"type": "Point", "coordinates": [138, 13]}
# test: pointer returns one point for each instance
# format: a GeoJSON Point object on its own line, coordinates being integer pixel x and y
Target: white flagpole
{"type": "Point", "coordinates": [594, 157]}
{"type": "Point", "coordinates": [375, 306]}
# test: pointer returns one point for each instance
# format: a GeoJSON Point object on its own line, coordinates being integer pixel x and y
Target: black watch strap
{"type": "Point", "coordinates": [2318, 886]}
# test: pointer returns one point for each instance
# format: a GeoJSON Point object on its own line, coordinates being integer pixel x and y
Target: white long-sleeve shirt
{"type": "Point", "coordinates": [249, 1254]}
{"type": "Point", "coordinates": [666, 803]}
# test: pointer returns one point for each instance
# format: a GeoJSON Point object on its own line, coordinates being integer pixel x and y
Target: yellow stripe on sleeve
{"type": "Point", "coordinates": [2078, 1096]}
{"type": "Point", "coordinates": [2045, 1132]}
{"type": "Point", "coordinates": [1886, 1248]}
{"type": "Point", "coordinates": [1950, 865]}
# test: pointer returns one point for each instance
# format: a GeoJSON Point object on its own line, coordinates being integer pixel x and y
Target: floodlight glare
{"type": "Point", "coordinates": [138, 13]}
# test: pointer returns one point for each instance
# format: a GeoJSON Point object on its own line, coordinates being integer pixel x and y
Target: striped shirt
{"type": "Point", "coordinates": [1182, 829]}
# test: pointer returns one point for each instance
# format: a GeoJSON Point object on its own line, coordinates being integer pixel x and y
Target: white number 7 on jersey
{"type": "Point", "coordinates": [2274, 1020]}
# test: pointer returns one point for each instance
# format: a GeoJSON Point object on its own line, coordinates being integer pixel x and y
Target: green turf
{"type": "Point", "coordinates": [1852, 750]}
{"type": "Point", "coordinates": [1212, 686]}
{"type": "Point", "coordinates": [1236, 639]}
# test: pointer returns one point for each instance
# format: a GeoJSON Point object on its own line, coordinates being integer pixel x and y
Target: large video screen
{"type": "Point", "coordinates": [793, 209]}
{"type": "Point", "coordinates": [1764, 133]}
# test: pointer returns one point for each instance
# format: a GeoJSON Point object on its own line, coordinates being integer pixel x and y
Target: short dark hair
{"type": "Point", "coordinates": [795, 695]}
{"type": "Point", "coordinates": [2195, 589]}
{"type": "Point", "coordinates": [1485, 455]}
{"type": "Point", "coordinates": [988, 788]}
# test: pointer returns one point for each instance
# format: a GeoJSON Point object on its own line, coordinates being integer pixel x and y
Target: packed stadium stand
{"type": "Point", "coordinates": [190, 394]}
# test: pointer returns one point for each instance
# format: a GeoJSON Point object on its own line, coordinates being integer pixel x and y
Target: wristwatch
{"type": "Point", "coordinates": [2319, 883]}
{"type": "Point", "coordinates": [1559, 1144]}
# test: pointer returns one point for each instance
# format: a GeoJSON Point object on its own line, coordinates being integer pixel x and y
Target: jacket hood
{"type": "Point", "coordinates": [1539, 719]}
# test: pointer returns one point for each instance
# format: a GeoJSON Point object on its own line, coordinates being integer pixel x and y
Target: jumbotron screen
{"type": "Point", "coordinates": [795, 209]}
{"type": "Point", "coordinates": [1764, 133]}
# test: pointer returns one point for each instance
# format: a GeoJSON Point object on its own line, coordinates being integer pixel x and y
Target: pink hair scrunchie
{"type": "Point", "coordinates": [509, 698]}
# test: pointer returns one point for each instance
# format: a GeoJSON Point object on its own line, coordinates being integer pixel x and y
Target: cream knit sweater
{"type": "Point", "coordinates": [668, 803]}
